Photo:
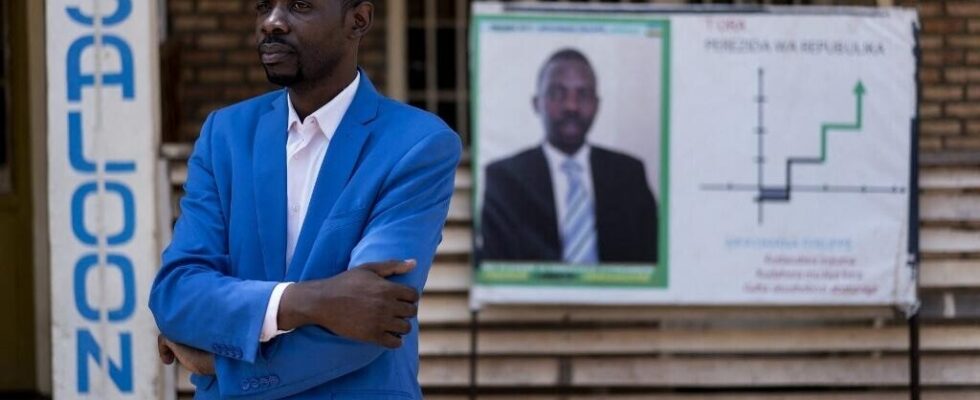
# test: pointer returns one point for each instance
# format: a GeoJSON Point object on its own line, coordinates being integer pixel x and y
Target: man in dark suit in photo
{"type": "Point", "coordinates": [568, 200]}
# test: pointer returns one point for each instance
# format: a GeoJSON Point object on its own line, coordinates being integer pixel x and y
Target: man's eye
{"type": "Point", "coordinates": [556, 93]}
{"type": "Point", "coordinates": [262, 7]}
{"type": "Point", "coordinates": [301, 6]}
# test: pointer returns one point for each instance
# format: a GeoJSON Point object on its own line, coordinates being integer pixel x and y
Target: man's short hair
{"type": "Point", "coordinates": [349, 4]}
{"type": "Point", "coordinates": [566, 54]}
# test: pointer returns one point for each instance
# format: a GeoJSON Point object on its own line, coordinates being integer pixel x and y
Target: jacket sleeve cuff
{"type": "Point", "coordinates": [270, 326]}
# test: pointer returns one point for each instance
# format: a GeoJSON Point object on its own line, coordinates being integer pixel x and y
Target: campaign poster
{"type": "Point", "coordinates": [774, 146]}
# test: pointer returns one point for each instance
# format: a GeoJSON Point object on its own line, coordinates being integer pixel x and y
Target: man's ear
{"type": "Point", "coordinates": [361, 19]}
{"type": "Point", "coordinates": [534, 104]}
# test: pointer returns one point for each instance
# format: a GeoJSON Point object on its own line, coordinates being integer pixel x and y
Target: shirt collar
{"type": "Point", "coordinates": [557, 157]}
{"type": "Point", "coordinates": [334, 110]}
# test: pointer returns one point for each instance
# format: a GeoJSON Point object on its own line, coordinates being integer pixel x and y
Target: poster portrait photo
{"type": "Point", "coordinates": [568, 144]}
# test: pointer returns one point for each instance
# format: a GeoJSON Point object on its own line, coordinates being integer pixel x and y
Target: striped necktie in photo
{"type": "Point", "coordinates": [578, 224]}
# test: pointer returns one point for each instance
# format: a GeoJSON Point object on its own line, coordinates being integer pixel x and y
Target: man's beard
{"type": "Point", "coordinates": [283, 79]}
{"type": "Point", "coordinates": [571, 121]}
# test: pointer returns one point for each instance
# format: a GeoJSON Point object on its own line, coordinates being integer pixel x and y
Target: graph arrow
{"type": "Point", "coordinates": [826, 128]}
{"type": "Point", "coordinates": [783, 193]}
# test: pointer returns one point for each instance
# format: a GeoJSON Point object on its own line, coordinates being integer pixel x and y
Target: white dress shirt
{"type": "Point", "coordinates": [559, 180]}
{"type": "Point", "coordinates": [306, 146]}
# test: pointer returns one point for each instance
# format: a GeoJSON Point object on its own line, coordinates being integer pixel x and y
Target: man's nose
{"type": "Point", "coordinates": [572, 102]}
{"type": "Point", "coordinates": [275, 22]}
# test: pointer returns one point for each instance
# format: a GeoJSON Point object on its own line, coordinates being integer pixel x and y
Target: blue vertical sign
{"type": "Point", "coordinates": [102, 140]}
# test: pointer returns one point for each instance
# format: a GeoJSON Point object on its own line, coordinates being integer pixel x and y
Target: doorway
{"type": "Point", "coordinates": [18, 353]}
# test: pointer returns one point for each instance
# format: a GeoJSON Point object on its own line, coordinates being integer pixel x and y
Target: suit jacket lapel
{"type": "Point", "coordinates": [342, 154]}
{"type": "Point", "coordinates": [539, 180]}
{"type": "Point", "coordinates": [604, 190]}
{"type": "Point", "coordinates": [269, 174]}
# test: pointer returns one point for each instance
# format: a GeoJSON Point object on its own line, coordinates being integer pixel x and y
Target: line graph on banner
{"type": "Point", "coordinates": [784, 192]}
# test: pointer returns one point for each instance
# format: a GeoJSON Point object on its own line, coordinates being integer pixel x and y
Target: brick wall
{"type": "Point", "coordinates": [209, 60]}
{"type": "Point", "coordinates": [950, 75]}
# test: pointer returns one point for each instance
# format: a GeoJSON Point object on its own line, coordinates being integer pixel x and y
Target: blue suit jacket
{"type": "Point", "coordinates": [382, 193]}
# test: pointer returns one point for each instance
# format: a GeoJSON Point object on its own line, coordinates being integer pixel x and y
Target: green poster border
{"type": "Point", "coordinates": [660, 276]}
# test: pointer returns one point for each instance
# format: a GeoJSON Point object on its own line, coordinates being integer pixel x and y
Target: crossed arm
{"type": "Point", "coordinates": [358, 304]}
{"type": "Point", "coordinates": [343, 329]}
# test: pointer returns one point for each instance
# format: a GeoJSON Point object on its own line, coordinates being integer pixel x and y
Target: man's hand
{"type": "Point", "coordinates": [194, 360]}
{"type": "Point", "coordinates": [359, 304]}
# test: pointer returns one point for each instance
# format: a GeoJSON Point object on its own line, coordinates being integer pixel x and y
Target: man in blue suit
{"type": "Point", "coordinates": [278, 282]}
